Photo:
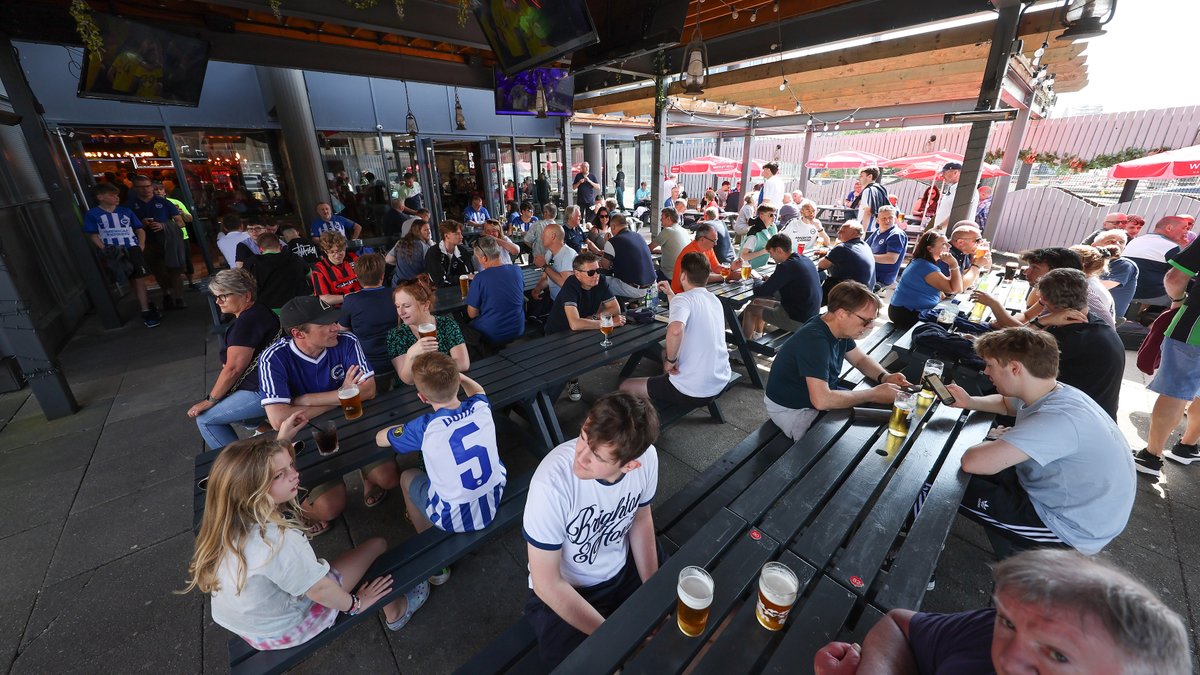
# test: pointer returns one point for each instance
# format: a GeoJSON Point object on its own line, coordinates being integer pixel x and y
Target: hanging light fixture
{"type": "Point", "coordinates": [783, 85]}
{"type": "Point", "coordinates": [695, 61]}
{"type": "Point", "coordinates": [460, 120]}
{"type": "Point", "coordinates": [1082, 18]}
{"type": "Point", "coordinates": [410, 120]}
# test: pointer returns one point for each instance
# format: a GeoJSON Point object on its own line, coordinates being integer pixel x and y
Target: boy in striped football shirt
{"type": "Point", "coordinates": [465, 479]}
{"type": "Point", "coordinates": [118, 233]}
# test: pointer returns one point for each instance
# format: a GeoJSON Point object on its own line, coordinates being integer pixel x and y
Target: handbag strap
{"type": "Point", "coordinates": [253, 364]}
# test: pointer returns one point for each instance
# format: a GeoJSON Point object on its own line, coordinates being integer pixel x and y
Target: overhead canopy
{"type": "Point", "coordinates": [1181, 163]}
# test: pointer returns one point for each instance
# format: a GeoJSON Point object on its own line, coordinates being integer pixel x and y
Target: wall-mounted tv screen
{"type": "Point", "coordinates": [528, 33]}
{"type": "Point", "coordinates": [516, 94]}
{"type": "Point", "coordinates": [143, 64]}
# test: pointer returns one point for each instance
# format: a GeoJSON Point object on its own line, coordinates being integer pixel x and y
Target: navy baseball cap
{"type": "Point", "coordinates": [952, 165]}
{"type": "Point", "coordinates": [307, 309]}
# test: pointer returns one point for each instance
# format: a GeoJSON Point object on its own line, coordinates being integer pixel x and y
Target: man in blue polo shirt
{"type": "Point", "coordinates": [165, 252]}
{"type": "Point", "coordinates": [807, 367]}
{"type": "Point", "coordinates": [303, 371]}
{"type": "Point", "coordinates": [888, 245]}
{"type": "Point", "coordinates": [327, 221]}
{"type": "Point", "coordinates": [496, 299]}
{"type": "Point", "coordinates": [119, 235]}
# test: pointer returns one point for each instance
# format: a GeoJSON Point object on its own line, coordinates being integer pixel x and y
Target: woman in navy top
{"type": "Point", "coordinates": [923, 282]}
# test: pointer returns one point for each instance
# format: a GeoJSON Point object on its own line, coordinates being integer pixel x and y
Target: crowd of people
{"type": "Point", "coordinates": [311, 318]}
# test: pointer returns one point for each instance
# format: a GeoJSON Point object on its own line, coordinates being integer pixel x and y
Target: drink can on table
{"type": "Point", "coordinates": [695, 591]}
{"type": "Point", "coordinates": [777, 591]}
{"type": "Point", "coordinates": [351, 401]}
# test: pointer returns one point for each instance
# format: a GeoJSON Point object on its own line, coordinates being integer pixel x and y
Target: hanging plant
{"type": "Point", "coordinates": [399, 9]}
{"type": "Point", "coordinates": [361, 4]}
{"type": "Point", "coordinates": [275, 8]}
{"type": "Point", "coordinates": [85, 25]}
{"type": "Point", "coordinates": [993, 156]}
{"type": "Point", "coordinates": [464, 11]}
{"type": "Point", "coordinates": [660, 90]}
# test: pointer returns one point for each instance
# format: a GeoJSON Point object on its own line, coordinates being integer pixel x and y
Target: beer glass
{"type": "Point", "coordinates": [606, 327]}
{"type": "Point", "coordinates": [464, 284]}
{"type": "Point", "coordinates": [746, 271]}
{"type": "Point", "coordinates": [777, 591]}
{"type": "Point", "coordinates": [902, 410]}
{"type": "Point", "coordinates": [946, 319]}
{"type": "Point", "coordinates": [427, 330]}
{"type": "Point", "coordinates": [326, 439]}
{"type": "Point", "coordinates": [932, 367]}
{"type": "Point", "coordinates": [351, 401]}
{"type": "Point", "coordinates": [695, 595]}
{"type": "Point", "coordinates": [982, 249]}
{"type": "Point", "coordinates": [1010, 270]}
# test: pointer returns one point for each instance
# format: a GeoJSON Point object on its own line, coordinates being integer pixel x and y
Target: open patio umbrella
{"type": "Point", "coordinates": [847, 159]}
{"type": "Point", "coordinates": [735, 169]}
{"type": "Point", "coordinates": [930, 170]}
{"type": "Point", "coordinates": [706, 164]}
{"type": "Point", "coordinates": [940, 157]}
{"type": "Point", "coordinates": [1181, 163]}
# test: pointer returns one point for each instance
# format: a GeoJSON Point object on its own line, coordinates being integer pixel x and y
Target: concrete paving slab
{"type": "Point", "coordinates": [150, 432]}
{"type": "Point", "coordinates": [1161, 574]}
{"type": "Point", "coordinates": [364, 649]}
{"type": "Point", "coordinates": [673, 475]}
{"type": "Point", "coordinates": [123, 617]}
{"type": "Point", "coordinates": [1182, 521]}
{"type": "Point", "coordinates": [10, 403]}
{"type": "Point", "coordinates": [42, 499]}
{"type": "Point", "coordinates": [964, 578]}
{"type": "Point", "coordinates": [24, 558]}
{"type": "Point", "coordinates": [49, 457]}
{"type": "Point", "coordinates": [698, 444]}
{"type": "Point", "coordinates": [122, 526]}
{"type": "Point", "coordinates": [1191, 585]}
{"type": "Point", "coordinates": [1150, 524]}
{"type": "Point", "coordinates": [144, 469]}
{"type": "Point", "coordinates": [26, 429]}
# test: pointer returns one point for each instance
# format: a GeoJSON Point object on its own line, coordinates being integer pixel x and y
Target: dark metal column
{"type": "Point", "coordinates": [1004, 34]}
{"type": "Point", "coordinates": [197, 225]}
{"type": "Point", "coordinates": [299, 134]}
{"type": "Point", "coordinates": [568, 195]}
{"type": "Point", "coordinates": [804, 157]}
{"type": "Point", "coordinates": [747, 142]}
{"type": "Point", "coordinates": [658, 154]}
{"type": "Point", "coordinates": [1016, 137]}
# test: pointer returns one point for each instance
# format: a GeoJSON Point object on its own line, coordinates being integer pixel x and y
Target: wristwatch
{"type": "Point", "coordinates": [674, 360]}
{"type": "Point", "coordinates": [210, 399]}
{"type": "Point", "coordinates": [1036, 323]}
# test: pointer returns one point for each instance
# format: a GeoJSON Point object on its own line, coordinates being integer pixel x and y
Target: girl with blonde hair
{"type": "Point", "coordinates": [1095, 263]}
{"type": "Point", "coordinates": [267, 584]}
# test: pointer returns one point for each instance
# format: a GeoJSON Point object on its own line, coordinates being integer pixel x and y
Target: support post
{"type": "Point", "coordinates": [658, 154]}
{"type": "Point", "coordinates": [747, 142]}
{"type": "Point", "coordinates": [804, 157]}
{"type": "Point", "coordinates": [1004, 34]}
{"type": "Point", "coordinates": [1016, 137]}
{"type": "Point", "coordinates": [516, 170]}
{"type": "Point", "coordinates": [299, 134]}
{"type": "Point", "coordinates": [1127, 191]}
{"type": "Point", "coordinates": [568, 195]}
{"type": "Point", "coordinates": [197, 226]}
{"type": "Point", "coordinates": [716, 181]}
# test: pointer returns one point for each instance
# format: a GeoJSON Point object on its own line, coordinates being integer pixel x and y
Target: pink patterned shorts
{"type": "Point", "coordinates": [319, 618]}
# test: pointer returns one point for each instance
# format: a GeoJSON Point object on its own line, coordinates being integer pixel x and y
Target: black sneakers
{"type": "Point", "coordinates": [1184, 454]}
{"type": "Point", "coordinates": [1147, 463]}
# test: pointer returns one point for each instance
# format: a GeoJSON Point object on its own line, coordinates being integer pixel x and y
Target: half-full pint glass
{"type": "Point", "coordinates": [932, 367]}
{"type": "Point", "coordinates": [745, 271]}
{"type": "Point", "coordinates": [777, 590]}
{"type": "Point", "coordinates": [464, 284]}
{"type": "Point", "coordinates": [695, 595]}
{"type": "Point", "coordinates": [901, 412]}
{"type": "Point", "coordinates": [351, 402]}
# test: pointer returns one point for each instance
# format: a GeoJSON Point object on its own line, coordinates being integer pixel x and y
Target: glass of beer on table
{"type": "Point", "coordinates": [932, 367]}
{"type": "Point", "coordinates": [695, 595]}
{"type": "Point", "coordinates": [777, 591]}
{"type": "Point", "coordinates": [427, 330]}
{"type": "Point", "coordinates": [746, 271]}
{"type": "Point", "coordinates": [464, 284]}
{"type": "Point", "coordinates": [351, 402]}
{"type": "Point", "coordinates": [902, 409]}
{"type": "Point", "coordinates": [326, 438]}
{"type": "Point", "coordinates": [606, 327]}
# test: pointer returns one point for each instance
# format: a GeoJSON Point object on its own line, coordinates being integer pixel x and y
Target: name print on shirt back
{"type": "Point", "coordinates": [593, 528]}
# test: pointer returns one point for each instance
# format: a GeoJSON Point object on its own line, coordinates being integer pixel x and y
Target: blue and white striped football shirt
{"type": "Point", "coordinates": [115, 229]}
{"type": "Point", "coordinates": [466, 476]}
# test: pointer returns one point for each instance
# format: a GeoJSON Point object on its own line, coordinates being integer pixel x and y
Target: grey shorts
{"type": "Point", "coordinates": [793, 422]}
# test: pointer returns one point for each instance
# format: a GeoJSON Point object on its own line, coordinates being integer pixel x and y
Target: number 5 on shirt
{"type": "Point", "coordinates": [462, 455]}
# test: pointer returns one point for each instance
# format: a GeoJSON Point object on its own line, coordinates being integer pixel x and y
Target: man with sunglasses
{"type": "Point", "coordinates": [704, 244]}
{"type": "Point", "coordinates": [1113, 221]}
{"type": "Point", "coordinates": [806, 369]}
{"type": "Point", "coordinates": [584, 296]}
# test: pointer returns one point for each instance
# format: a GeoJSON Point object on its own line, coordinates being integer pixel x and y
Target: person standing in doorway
{"type": "Point", "coordinates": [619, 185]}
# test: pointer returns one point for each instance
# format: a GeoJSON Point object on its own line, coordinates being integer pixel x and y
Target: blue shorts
{"type": "Point", "coordinates": [1178, 376]}
{"type": "Point", "coordinates": [418, 490]}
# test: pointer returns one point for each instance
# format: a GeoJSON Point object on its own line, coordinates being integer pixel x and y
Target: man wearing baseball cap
{"type": "Point", "coordinates": [303, 371]}
{"type": "Point", "coordinates": [950, 174]}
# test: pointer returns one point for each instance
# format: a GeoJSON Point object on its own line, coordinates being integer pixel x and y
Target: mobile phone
{"type": "Point", "coordinates": [935, 383]}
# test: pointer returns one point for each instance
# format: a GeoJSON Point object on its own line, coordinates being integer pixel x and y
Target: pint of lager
{"type": "Point", "coordinates": [351, 402]}
{"type": "Point", "coordinates": [901, 412]}
{"type": "Point", "coordinates": [695, 595]}
{"type": "Point", "coordinates": [932, 367]}
{"type": "Point", "coordinates": [464, 284]}
{"type": "Point", "coordinates": [745, 271]}
{"type": "Point", "coordinates": [427, 330]}
{"type": "Point", "coordinates": [777, 591]}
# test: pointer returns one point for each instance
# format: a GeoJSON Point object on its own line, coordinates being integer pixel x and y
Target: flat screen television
{"type": "Point", "coordinates": [630, 28]}
{"type": "Point", "coordinates": [525, 34]}
{"type": "Point", "coordinates": [143, 64]}
{"type": "Point", "coordinates": [516, 94]}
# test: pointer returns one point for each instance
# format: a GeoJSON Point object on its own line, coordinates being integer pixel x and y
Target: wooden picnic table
{"type": "Point", "coordinates": [834, 507]}
{"type": "Point", "coordinates": [1011, 293]}
{"type": "Point", "coordinates": [835, 215]}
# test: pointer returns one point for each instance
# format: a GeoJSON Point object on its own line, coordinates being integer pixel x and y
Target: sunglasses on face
{"type": "Point", "coordinates": [590, 273]}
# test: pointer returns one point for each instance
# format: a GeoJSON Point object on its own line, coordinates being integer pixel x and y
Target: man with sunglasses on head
{"type": "Point", "coordinates": [807, 367]}
{"type": "Point", "coordinates": [1113, 221]}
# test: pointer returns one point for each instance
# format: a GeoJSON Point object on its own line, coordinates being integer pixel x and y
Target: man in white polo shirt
{"type": "Point", "coordinates": [696, 360]}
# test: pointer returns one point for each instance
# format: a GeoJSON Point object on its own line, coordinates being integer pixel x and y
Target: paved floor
{"type": "Point", "coordinates": [96, 535]}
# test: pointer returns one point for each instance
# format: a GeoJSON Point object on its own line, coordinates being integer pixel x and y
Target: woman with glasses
{"type": "Point", "coordinates": [598, 235]}
{"type": "Point", "coordinates": [234, 397]}
{"type": "Point", "coordinates": [1122, 275]}
{"type": "Point", "coordinates": [925, 280]}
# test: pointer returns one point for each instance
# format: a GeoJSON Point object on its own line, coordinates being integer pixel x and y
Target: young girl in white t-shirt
{"type": "Point", "coordinates": [252, 556]}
